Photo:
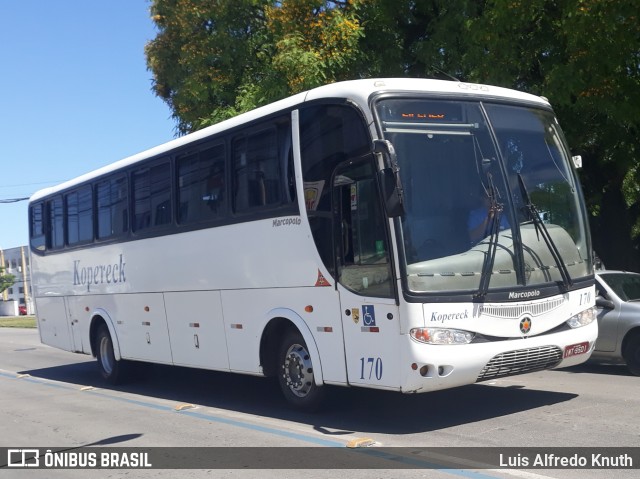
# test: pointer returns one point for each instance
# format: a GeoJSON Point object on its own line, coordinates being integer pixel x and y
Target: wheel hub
{"type": "Point", "coordinates": [297, 370]}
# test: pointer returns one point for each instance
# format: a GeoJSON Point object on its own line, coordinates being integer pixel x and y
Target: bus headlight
{"type": "Point", "coordinates": [441, 336]}
{"type": "Point", "coordinates": [583, 318]}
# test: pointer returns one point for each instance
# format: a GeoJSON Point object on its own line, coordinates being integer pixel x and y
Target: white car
{"type": "Point", "coordinates": [618, 302]}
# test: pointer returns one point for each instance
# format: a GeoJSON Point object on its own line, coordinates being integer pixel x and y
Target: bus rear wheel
{"type": "Point", "coordinates": [112, 370]}
{"type": "Point", "coordinates": [295, 374]}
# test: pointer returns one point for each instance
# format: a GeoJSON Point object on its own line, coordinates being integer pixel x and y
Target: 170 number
{"type": "Point", "coordinates": [372, 366]}
{"type": "Point", "coordinates": [585, 298]}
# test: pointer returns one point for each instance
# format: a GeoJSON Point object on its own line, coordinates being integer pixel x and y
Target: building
{"type": "Point", "coordinates": [16, 262]}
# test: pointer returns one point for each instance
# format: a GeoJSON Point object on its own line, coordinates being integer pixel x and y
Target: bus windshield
{"type": "Point", "coordinates": [490, 198]}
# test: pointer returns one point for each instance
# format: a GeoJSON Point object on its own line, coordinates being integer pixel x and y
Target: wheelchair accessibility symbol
{"type": "Point", "coordinates": [368, 315]}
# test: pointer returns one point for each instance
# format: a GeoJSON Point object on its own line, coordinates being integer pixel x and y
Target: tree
{"type": "Point", "coordinates": [421, 38]}
{"type": "Point", "coordinates": [316, 42]}
{"type": "Point", "coordinates": [213, 59]}
{"type": "Point", "coordinates": [203, 54]}
{"type": "Point", "coordinates": [6, 280]}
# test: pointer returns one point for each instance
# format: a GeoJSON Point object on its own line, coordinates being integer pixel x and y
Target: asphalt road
{"type": "Point", "coordinates": [51, 398]}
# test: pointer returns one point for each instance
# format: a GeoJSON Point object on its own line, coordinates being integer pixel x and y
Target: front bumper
{"type": "Point", "coordinates": [433, 367]}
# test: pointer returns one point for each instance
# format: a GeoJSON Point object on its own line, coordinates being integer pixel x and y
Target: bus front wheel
{"type": "Point", "coordinates": [112, 370]}
{"type": "Point", "coordinates": [295, 374]}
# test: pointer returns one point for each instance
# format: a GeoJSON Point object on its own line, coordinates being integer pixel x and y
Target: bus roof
{"type": "Point", "coordinates": [357, 90]}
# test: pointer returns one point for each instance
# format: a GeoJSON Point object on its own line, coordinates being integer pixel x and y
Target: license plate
{"type": "Point", "coordinates": [576, 349]}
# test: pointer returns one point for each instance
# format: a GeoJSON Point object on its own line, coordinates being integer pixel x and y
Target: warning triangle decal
{"type": "Point", "coordinates": [321, 281]}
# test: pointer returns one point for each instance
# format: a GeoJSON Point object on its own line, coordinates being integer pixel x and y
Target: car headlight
{"type": "Point", "coordinates": [441, 336]}
{"type": "Point", "coordinates": [583, 318]}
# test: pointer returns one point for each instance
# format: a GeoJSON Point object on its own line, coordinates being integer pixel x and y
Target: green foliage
{"type": "Point", "coordinates": [316, 42]}
{"type": "Point", "coordinates": [6, 280]}
{"type": "Point", "coordinates": [213, 59]}
{"type": "Point", "coordinates": [204, 53]}
{"type": "Point", "coordinates": [421, 38]}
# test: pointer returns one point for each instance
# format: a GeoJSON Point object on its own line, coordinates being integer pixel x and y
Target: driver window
{"type": "Point", "coordinates": [361, 240]}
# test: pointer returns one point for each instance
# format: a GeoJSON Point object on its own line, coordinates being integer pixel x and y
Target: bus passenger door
{"type": "Point", "coordinates": [369, 312]}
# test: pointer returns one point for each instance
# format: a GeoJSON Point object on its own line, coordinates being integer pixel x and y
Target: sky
{"type": "Point", "coordinates": [75, 95]}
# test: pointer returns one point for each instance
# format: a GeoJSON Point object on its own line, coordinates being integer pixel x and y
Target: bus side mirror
{"type": "Point", "coordinates": [392, 199]}
{"type": "Point", "coordinates": [390, 183]}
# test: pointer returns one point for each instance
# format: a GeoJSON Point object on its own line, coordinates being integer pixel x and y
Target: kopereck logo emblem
{"type": "Point", "coordinates": [525, 325]}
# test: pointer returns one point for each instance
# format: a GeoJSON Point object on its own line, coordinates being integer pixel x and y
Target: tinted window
{"type": "Point", "coordinates": [113, 207]}
{"type": "Point", "coordinates": [363, 254]}
{"type": "Point", "coordinates": [329, 135]}
{"type": "Point", "coordinates": [625, 285]}
{"type": "Point", "coordinates": [37, 227]}
{"type": "Point", "coordinates": [79, 215]}
{"type": "Point", "coordinates": [56, 223]}
{"type": "Point", "coordinates": [201, 185]}
{"type": "Point", "coordinates": [256, 169]}
{"type": "Point", "coordinates": [152, 196]}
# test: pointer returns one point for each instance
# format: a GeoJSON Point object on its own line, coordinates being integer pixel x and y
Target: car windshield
{"type": "Point", "coordinates": [489, 195]}
{"type": "Point", "coordinates": [625, 285]}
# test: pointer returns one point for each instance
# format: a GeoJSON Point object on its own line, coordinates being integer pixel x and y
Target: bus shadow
{"type": "Point", "coordinates": [346, 410]}
{"type": "Point", "coordinates": [593, 367]}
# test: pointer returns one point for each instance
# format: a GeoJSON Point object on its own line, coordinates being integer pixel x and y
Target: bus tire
{"type": "Point", "coordinates": [112, 370]}
{"type": "Point", "coordinates": [295, 374]}
{"type": "Point", "coordinates": [631, 354]}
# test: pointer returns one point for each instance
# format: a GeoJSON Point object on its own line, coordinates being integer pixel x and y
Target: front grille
{"type": "Point", "coordinates": [513, 311]}
{"type": "Point", "coordinates": [520, 362]}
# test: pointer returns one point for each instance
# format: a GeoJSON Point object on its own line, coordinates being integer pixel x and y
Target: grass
{"type": "Point", "coordinates": [17, 321]}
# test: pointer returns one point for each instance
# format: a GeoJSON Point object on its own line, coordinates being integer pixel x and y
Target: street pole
{"type": "Point", "coordinates": [24, 280]}
{"type": "Point", "coordinates": [4, 293]}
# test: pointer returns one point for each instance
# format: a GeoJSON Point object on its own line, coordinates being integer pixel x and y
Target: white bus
{"type": "Point", "coordinates": [399, 234]}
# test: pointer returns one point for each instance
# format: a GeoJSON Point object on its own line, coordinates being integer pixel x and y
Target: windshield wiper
{"type": "Point", "coordinates": [494, 215]}
{"type": "Point", "coordinates": [541, 230]}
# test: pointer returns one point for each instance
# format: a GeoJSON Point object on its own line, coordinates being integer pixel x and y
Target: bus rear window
{"type": "Point", "coordinates": [36, 227]}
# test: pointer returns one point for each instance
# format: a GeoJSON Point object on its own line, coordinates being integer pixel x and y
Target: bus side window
{"type": "Point", "coordinates": [329, 135]}
{"type": "Point", "coordinates": [256, 170]}
{"type": "Point", "coordinates": [201, 185]}
{"type": "Point", "coordinates": [152, 196]}
{"type": "Point", "coordinates": [55, 233]}
{"type": "Point", "coordinates": [112, 204]}
{"type": "Point", "coordinates": [79, 207]}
